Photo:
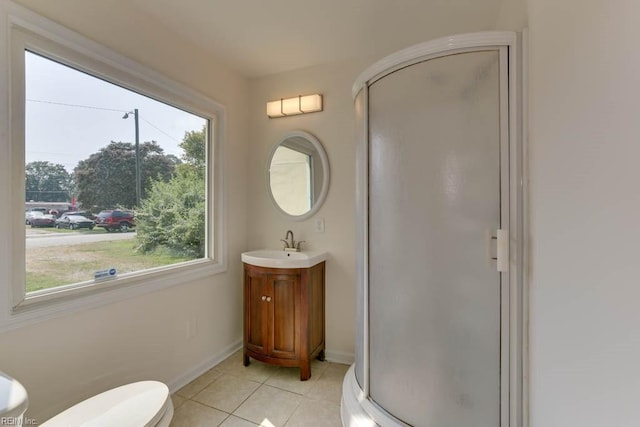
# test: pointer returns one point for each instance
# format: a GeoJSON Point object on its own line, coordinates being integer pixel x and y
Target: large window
{"type": "Point", "coordinates": [118, 176]}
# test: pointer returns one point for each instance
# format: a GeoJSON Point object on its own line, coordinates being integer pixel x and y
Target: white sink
{"type": "Point", "coordinates": [274, 258]}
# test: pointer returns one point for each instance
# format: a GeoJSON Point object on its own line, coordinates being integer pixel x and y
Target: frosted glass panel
{"type": "Point", "coordinates": [434, 198]}
{"type": "Point", "coordinates": [361, 173]}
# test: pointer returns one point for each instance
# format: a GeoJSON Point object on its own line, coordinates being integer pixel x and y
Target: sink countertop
{"type": "Point", "coordinates": [277, 258]}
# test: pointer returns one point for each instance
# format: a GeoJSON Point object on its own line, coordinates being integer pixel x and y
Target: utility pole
{"type": "Point", "coordinates": [138, 177]}
{"type": "Point", "coordinates": [138, 183]}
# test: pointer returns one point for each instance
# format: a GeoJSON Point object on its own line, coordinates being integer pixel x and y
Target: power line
{"type": "Point", "coordinates": [75, 105]}
{"type": "Point", "coordinates": [157, 128]}
{"type": "Point", "coordinates": [103, 109]}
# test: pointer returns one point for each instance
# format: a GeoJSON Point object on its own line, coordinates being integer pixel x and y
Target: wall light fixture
{"type": "Point", "coordinates": [291, 106]}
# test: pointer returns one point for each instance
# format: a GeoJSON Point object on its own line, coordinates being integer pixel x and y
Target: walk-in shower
{"type": "Point", "coordinates": [439, 244]}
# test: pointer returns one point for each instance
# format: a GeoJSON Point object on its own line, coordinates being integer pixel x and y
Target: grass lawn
{"type": "Point", "coordinates": [49, 267]}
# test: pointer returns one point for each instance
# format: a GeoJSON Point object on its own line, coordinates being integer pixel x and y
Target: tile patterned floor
{"type": "Point", "coordinates": [232, 395]}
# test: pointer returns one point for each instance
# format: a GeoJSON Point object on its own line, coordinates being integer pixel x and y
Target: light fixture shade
{"type": "Point", "coordinates": [292, 106]}
{"type": "Point", "coordinates": [274, 109]}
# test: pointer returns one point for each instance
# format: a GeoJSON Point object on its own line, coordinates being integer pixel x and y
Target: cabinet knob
{"type": "Point", "coordinates": [268, 299]}
{"type": "Point", "coordinates": [264, 298]}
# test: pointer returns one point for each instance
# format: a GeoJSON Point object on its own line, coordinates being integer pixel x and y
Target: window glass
{"type": "Point", "coordinates": [115, 181]}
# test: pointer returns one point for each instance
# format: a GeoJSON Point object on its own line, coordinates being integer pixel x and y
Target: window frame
{"type": "Point", "coordinates": [29, 31]}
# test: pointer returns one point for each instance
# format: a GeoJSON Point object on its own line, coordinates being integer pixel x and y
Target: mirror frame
{"type": "Point", "coordinates": [324, 160]}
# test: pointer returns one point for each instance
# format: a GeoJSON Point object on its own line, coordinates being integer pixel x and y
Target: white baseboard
{"type": "Point", "coordinates": [196, 371]}
{"type": "Point", "coordinates": [339, 357]}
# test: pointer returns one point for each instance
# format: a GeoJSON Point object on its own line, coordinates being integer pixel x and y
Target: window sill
{"type": "Point", "coordinates": [41, 306]}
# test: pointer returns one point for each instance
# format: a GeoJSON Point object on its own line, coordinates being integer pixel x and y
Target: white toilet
{"type": "Point", "coordinates": [13, 401]}
{"type": "Point", "coordinates": [140, 404]}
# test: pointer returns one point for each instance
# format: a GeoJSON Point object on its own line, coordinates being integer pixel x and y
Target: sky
{"type": "Point", "coordinates": [71, 115]}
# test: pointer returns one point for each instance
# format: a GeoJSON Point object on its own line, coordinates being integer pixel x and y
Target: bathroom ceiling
{"type": "Point", "coordinates": [262, 37]}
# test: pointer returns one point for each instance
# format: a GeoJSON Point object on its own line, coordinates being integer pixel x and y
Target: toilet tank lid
{"type": "Point", "coordinates": [132, 405]}
{"type": "Point", "coordinates": [13, 397]}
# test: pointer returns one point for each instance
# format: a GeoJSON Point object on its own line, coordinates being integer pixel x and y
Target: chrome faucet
{"type": "Point", "coordinates": [290, 245]}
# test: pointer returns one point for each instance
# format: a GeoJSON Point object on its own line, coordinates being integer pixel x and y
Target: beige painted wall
{"type": "Point", "coordinates": [65, 360]}
{"type": "Point", "coordinates": [334, 128]}
{"type": "Point", "coordinates": [512, 15]}
{"type": "Point", "coordinates": [585, 204]}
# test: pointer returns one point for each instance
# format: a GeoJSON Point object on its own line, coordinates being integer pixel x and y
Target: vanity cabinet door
{"type": "Point", "coordinates": [255, 311]}
{"type": "Point", "coordinates": [283, 296]}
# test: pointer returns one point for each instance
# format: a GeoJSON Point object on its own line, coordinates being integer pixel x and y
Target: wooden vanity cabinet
{"type": "Point", "coordinates": [284, 316]}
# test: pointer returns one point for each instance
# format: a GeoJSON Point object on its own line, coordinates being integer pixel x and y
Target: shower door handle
{"type": "Point", "coordinates": [502, 250]}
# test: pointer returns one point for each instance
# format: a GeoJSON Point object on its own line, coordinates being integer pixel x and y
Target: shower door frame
{"type": "Point", "coordinates": [356, 397]}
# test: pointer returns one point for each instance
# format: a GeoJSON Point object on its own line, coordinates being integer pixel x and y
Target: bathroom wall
{"type": "Point", "coordinates": [64, 360]}
{"type": "Point", "coordinates": [512, 15]}
{"type": "Point", "coordinates": [334, 128]}
{"type": "Point", "coordinates": [584, 205]}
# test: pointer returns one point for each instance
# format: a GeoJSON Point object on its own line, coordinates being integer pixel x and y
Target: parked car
{"type": "Point", "coordinates": [86, 214]}
{"type": "Point", "coordinates": [42, 220]}
{"type": "Point", "coordinates": [38, 219]}
{"type": "Point", "coordinates": [115, 219]}
{"type": "Point", "coordinates": [74, 222]}
{"type": "Point", "coordinates": [31, 212]}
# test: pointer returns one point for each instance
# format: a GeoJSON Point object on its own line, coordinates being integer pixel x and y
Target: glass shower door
{"type": "Point", "coordinates": [434, 203]}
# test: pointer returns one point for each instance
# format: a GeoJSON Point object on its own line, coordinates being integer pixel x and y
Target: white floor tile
{"type": "Point", "coordinates": [269, 406]}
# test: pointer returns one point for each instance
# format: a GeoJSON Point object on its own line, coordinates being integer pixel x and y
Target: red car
{"type": "Point", "coordinates": [39, 219]}
{"type": "Point", "coordinates": [115, 219]}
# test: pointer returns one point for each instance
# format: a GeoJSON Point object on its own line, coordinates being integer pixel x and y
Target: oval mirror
{"type": "Point", "coordinates": [298, 174]}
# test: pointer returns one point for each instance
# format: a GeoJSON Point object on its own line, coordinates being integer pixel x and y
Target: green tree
{"type": "Point", "coordinates": [47, 182]}
{"type": "Point", "coordinates": [108, 178]}
{"type": "Point", "coordinates": [194, 148]}
{"type": "Point", "coordinates": [172, 216]}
